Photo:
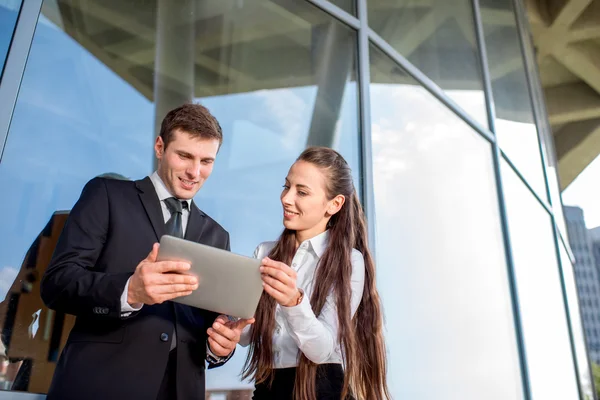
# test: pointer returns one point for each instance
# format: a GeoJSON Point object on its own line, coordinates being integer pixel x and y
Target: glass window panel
{"type": "Point", "coordinates": [545, 331]}
{"type": "Point", "coordinates": [9, 12]}
{"type": "Point", "coordinates": [515, 122]}
{"type": "Point", "coordinates": [438, 37]}
{"type": "Point", "coordinates": [440, 253]}
{"type": "Point", "coordinates": [346, 5]}
{"type": "Point", "coordinates": [278, 75]}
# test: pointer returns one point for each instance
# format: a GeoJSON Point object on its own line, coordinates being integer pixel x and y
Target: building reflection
{"type": "Point", "coordinates": [33, 335]}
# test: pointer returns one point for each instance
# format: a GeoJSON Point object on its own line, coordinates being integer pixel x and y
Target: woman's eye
{"type": "Point", "coordinates": [286, 187]}
{"type": "Point", "coordinates": [302, 193]}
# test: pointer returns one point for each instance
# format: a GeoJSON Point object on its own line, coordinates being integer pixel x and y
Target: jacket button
{"type": "Point", "coordinates": [164, 337]}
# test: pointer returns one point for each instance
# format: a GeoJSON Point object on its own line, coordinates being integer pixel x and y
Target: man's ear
{"type": "Point", "coordinates": [335, 204]}
{"type": "Point", "coordinates": [159, 147]}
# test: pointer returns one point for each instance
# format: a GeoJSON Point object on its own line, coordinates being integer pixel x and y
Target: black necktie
{"type": "Point", "coordinates": [175, 228]}
{"type": "Point", "coordinates": [174, 225]}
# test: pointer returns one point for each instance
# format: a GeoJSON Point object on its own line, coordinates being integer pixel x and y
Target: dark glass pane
{"type": "Point", "coordinates": [438, 37]}
{"type": "Point", "coordinates": [515, 122]}
{"type": "Point", "coordinates": [278, 76]}
{"type": "Point", "coordinates": [9, 12]}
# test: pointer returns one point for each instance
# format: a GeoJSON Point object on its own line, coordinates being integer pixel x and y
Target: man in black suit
{"type": "Point", "coordinates": [129, 341]}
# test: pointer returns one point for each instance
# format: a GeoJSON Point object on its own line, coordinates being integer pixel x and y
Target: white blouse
{"type": "Point", "coordinates": [297, 328]}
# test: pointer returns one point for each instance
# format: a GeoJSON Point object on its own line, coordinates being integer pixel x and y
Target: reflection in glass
{"type": "Point", "coordinates": [278, 75]}
{"type": "Point", "coordinates": [440, 254]}
{"type": "Point", "coordinates": [347, 5]}
{"type": "Point", "coordinates": [438, 37]}
{"type": "Point", "coordinates": [515, 123]}
{"type": "Point", "coordinates": [545, 331]}
{"type": "Point", "coordinates": [585, 376]}
{"type": "Point", "coordinates": [9, 12]}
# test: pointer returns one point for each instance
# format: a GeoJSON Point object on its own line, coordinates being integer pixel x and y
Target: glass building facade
{"type": "Point", "coordinates": [436, 105]}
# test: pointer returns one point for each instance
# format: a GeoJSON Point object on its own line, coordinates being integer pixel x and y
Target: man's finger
{"type": "Point", "coordinates": [242, 323]}
{"type": "Point", "coordinates": [171, 296]}
{"type": "Point", "coordinates": [217, 348]}
{"type": "Point", "coordinates": [153, 253]}
{"type": "Point", "coordinates": [176, 288]}
{"type": "Point", "coordinates": [174, 279]}
{"type": "Point", "coordinates": [223, 330]}
{"type": "Point", "coordinates": [172, 266]}
{"type": "Point", "coordinates": [223, 341]}
{"type": "Point", "coordinates": [222, 319]}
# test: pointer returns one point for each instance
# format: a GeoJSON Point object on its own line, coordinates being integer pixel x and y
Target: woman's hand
{"type": "Point", "coordinates": [279, 281]}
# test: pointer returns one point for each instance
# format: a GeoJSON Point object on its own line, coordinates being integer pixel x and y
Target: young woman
{"type": "Point", "coordinates": [318, 330]}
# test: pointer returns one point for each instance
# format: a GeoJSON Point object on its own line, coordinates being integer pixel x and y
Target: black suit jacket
{"type": "Point", "coordinates": [111, 228]}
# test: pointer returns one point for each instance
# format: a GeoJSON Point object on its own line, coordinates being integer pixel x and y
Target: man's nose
{"type": "Point", "coordinates": [194, 170]}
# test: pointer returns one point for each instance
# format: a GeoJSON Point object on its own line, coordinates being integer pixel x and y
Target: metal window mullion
{"type": "Point", "coordinates": [510, 266]}
{"type": "Point", "coordinates": [539, 114]}
{"type": "Point", "coordinates": [14, 67]}
{"type": "Point", "coordinates": [364, 79]}
{"type": "Point", "coordinates": [525, 182]}
{"type": "Point", "coordinates": [541, 119]}
{"type": "Point", "coordinates": [337, 13]}
{"type": "Point", "coordinates": [485, 71]}
{"type": "Point", "coordinates": [497, 157]}
{"type": "Point", "coordinates": [428, 84]}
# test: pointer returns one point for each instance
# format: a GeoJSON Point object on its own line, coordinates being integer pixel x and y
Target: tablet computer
{"type": "Point", "coordinates": [229, 283]}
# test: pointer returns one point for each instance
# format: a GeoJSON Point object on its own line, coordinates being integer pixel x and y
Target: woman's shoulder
{"type": "Point", "coordinates": [263, 249]}
{"type": "Point", "coordinates": [358, 264]}
{"type": "Point", "coordinates": [357, 256]}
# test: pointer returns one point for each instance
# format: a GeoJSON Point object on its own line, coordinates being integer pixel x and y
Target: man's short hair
{"type": "Point", "coordinates": [194, 119]}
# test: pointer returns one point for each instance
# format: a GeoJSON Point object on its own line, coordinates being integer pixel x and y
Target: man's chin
{"type": "Point", "coordinates": [186, 194]}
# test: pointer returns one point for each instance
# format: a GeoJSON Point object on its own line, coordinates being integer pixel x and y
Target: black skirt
{"type": "Point", "coordinates": [330, 382]}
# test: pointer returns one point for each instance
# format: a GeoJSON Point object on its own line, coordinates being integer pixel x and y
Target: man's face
{"type": "Point", "coordinates": [186, 163]}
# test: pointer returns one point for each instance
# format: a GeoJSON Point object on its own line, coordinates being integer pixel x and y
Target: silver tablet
{"type": "Point", "coordinates": [230, 284]}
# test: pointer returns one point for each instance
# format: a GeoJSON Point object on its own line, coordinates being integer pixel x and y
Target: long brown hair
{"type": "Point", "coordinates": [361, 337]}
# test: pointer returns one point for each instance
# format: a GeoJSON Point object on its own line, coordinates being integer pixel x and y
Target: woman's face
{"type": "Point", "coordinates": [306, 208]}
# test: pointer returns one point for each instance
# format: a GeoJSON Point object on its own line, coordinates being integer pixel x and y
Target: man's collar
{"type": "Point", "coordinates": [161, 189]}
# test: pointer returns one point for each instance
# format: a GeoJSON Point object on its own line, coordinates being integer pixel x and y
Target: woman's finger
{"type": "Point", "coordinates": [277, 274]}
{"type": "Point", "coordinates": [274, 293]}
{"type": "Point", "coordinates": [275, 284]}
{"type": "Point", "coordinates": [286, 269]}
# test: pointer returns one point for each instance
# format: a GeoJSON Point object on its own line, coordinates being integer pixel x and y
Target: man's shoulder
{"type": "Point", "coordinates": [209, 220]}
{"type": "Point", "coordinates": [107, 182]}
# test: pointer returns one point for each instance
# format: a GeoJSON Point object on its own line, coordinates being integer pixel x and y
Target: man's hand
{"type": "Point", "coordinates": [279, 281]}
{"type": "Point", "coordinates": [225, 334]}
{"type": "Point", "coordinates": [156, 282]}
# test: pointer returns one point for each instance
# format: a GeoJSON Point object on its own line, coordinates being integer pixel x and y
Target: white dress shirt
{"type": "Point", "coordinates": [163, 193]}
{"type": "Point", "coordinates": [297, 328]}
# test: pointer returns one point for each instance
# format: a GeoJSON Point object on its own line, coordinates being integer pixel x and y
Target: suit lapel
{"type": "Point", "coordinates": [151, 204]}
{"type": "Point", "coordinates": [195, 224]}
